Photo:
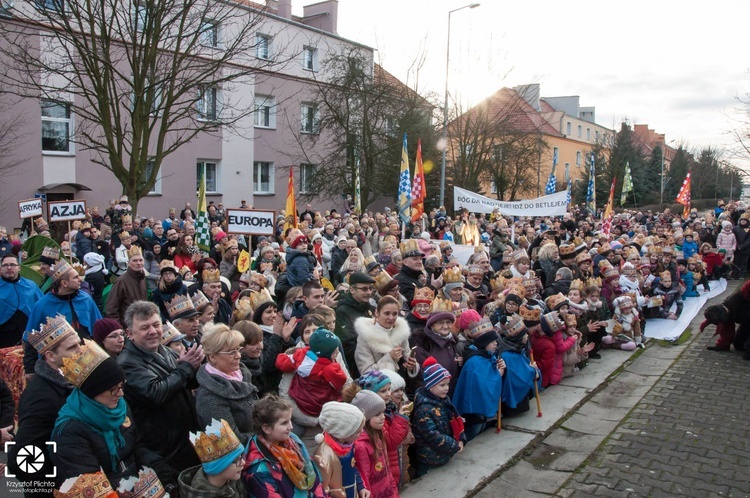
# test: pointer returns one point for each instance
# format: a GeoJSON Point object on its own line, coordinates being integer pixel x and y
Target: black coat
{"type": "Point", "coordinates": [347, 311]}
{"type": "Point", "coordinates": [81, 450]}
{"type": "Point", "coordinates": [158, 391]}
{"type": "Point", "coordinates": [408, 282]}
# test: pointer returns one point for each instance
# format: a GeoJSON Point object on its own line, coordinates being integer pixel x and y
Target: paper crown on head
{"type": "Point", "coordinates": [654, 249]}
{"type": "Point", "coordinates": [629, 270]}
{"type": "Point", "coordinates": [94, 485]}
{"type": "Point", "coordinates": [51, 333]}
{"type": "Point", "coordinates": [610, 272]}
{"type": "Point", "coordinates": [181, 307]}
{"type": "Point", "coordinates": [567, 251]}
{"type": "Point", "coordinates": [200, 300]}
{"type": "Point", "coordinates": [215, 442]}
{"type": "Point", "coordinates": [127, 218]}
{"type": "Point", "coordinates": [605, 248]}
{"type": "Point", "coordinates": [167, 265]}
{"type": "Point", "coordinates": [259, 279]}
{"type": "Point", "coordinates": [530, 283]}
{"type": "Point", "coordinates": [62, 268]}
{"type": "Point", "coordinates": [51, 252]}
{"type": "Point", "coordinates": [410, 248]}
{"type": "Point", "coordinates": [475, 270]}
{"type": "Point", "coordinates": [382, 280]}
{"type": "Point", "coordinates": [624, 302]}
{"type": "Point", "coordinates": [440, 305]}
{"type": "Point", "coordinates": [497, 283]}
{"type": "Point", "coordinates": [85, 226]}
{"type": "Point", "coordinates": [513, 325]}
{"type": "Point", "coordinates": [134, 251]}
{"type": "Point", "coordinates": [667, 250]}
{"type": "Point", "coordinates": [79, 268]}
{"type": "Point", "coordinates": [479, 254]}
{"type": "Point", "coordinates": [577, 284]}
{"type": "Point", "coordinates": [452, 275]}
{"type": "Point", "coordinates": [422, 295]}
{"type": "Point", "coordinates": [40, 222]}
{"type": "Point", "coordinates": [594, 282]}
{"type": "Point", "coordinates": [552, 321]}
{"type": "Point", "coordinates": [146, 485]}
{"type": "Point", "coordinates": [665, 274]}
{"type": "Point", "coordinates": [211, 276]}
{"type": "Point", "coordinates": [260, 297]}
{"type": "Point", "coordinates": [169, 333]}
{"type": "Point", "coordinates": [556, 300]}
{"type": "Point", "coordinates": [507, 257]}
{"type": "Point", "coordinates": [582, 257]}
{"type": "Point", "coordinates": [78, 367]}
{"type": "Point", "coordinates": [124, 236]}
{"type": "Point", "coordinates": [480, 327]}
{"type": "Point", "coordinates": [519, 254]}
{"type": "Point", "coordinates": [530, 313]}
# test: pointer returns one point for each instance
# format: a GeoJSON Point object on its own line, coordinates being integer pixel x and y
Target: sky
{"type": "Point", "coordinates": [677, 66]}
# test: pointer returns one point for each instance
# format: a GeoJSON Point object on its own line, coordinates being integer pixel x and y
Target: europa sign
{"type": "Point", "coordinates": [66, 210]}
{"type": "Point", "coordinates": [30, 208]}
{"type": "Point", "coordinates": [250, 222]}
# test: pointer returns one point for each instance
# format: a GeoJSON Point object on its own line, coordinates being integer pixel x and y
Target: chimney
{"type": "Point", "coordinates": [284, 8]}
{"type": "Point", "coordinates": [531, 94]}
{"type": "Point", "coordinates": [322, 15]}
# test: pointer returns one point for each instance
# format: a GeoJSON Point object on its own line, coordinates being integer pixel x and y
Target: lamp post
{"type": "Point", "coordinates": [445, 107]}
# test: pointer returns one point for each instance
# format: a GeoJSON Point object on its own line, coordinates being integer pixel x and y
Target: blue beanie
{"type": "Point", "coordinates": [374, 380]}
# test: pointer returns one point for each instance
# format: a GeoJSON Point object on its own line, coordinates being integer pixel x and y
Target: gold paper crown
{"type": "Point", "coordinates": [530, 283]}
{"type": "Point", "coordinates": [94, 485]}
{"type": "Point", "coordinates": [169, 333]}
{"type": "Point", "coordinates": [423, 294]}
{"type": "Point", "coordinates": [199, 300]}
{"type": "Point", "coordinates": [211, 276]}
{"type": "Point", "coordinates": [127, 218]}
{"type": "Point", "coordinates": [624, 301]}
{"type": "Point", "coordinates": [452, 275]}
{"type": "Point", "coordinates": [568, 250]}
{"type": "Point", "coordinates": [51, 252]}
{"type": "Point", "coordinates": [474, 270]}
{"type": "Point", "coordinates": [215, 442]}
{"type": "Point", "coordinates": [124, 236]}
{"type": "Point", "coordinates": [490, 308]}
{"type": "Point", "coordinates": [553, 321]}
{"type": "Point", "coordinates": [78, 367]}
{"type": "Point", "coordinates": [577, 284]}
{"type": "Point", "coordinates": [508, 256]}
{"type": "Point", "coordinates": [146, 485]}
{"type": "Point", "coordinates": [381, 280]}
{"type": "Point", "coordinates": [62, 268]}
{"type": "Point", "coordinates": [517, 290]}
{"type": "Point", "coordinates": [556, 300]}
{"type": "Point", "coordinates": [610, 272]}
{"type": "Point", "coordinates": [530, 314]}
{"type": "Point", "coordinates": [440, 305]}
{"type": "Point", "coordinates": [664, 274]}
{"type": "Point", "coordinates": [79, 268]}
{"type": "Point", "coordinates": [40, 222]}
{"type": "Point", "coordinates": [667, 250]}
{"type": "Point", "coordinates": [409, 248]}
{"type": "Point", "coordinates": [514, 282]}
{"type": "Point", "coordinates": [482, 326]}
{"type": "Point", "coordinates": [258, 298]}
{"type": "Point", "coordinates": [243, 307]}
{"type": "Point", "coordinates": [167, 264]}
{"type": "Point", "coordinates": [85, 226]}
{"type": "Point", "coordinates": [51, 333]}
{"type": "Point", "coordinates": [479, 254]}
{"type": "Point", "coordinates": [259, 279]}
{"type": "Point", "coordinates": [497, 283]}
{"type": "Point", "coordinates": [652, 249]}
{"type": "Point", "coordinates": [513, 325]}
{"type": "Point", "coordinates": [605, 247]}
{"type": "Point", "coordinates": [519, 254]}
{"type": "Point", "coordinates": [570, 320]}
{"type": "Point", "coordinates": [369, 260]}
{"type": "Point", "coordinates": [628, 269]}
{"type": "Point", "coordinates": [179, 305]}
{"type": "Point", "coordinates": [134, 251]}
{"type": "Point", "coordinates": [594, 282]}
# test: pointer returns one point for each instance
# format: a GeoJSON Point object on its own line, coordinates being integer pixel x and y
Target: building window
{"type": "Point", "coordinates": [263, 47]}
{"type": "Point", "coordinates": [211, 170]}
{"type": "Point", "coordinates": [493, 187]}
{"type": "Point", "coordinates": [310, 58]}
{"type": "Point", "coordinates": [497, 152]}
{"type": "Point", "coordinates": [263, 178]}
{"type": "Point", "coordinates": [596, 134]}
{"type": "Point", "coordinates": [588, 133]}
{"type": "Point", "coordinates": [578, 158]}
{"type": "Point", "coordinates": [208, 103]}
{"type": "Point", "coordinates": [568, 129]}
{"type": "Point", "coordinates": [310, 118]}
{"type": "Point", "coordinates": [580, 131]}
{"type": "Point", "coordinates": [140, 15]}
{"type": "Point", "coordinates": [265, 111]}
{"type": "Point", "coordinates": [468, 150]}
{"type": "Point", "coordinates": [555, 155]}
{"type": "Point", "coordinates": [567, 173]}
{"type": "Point", "coordinates": [306, 174]}
{"type": "Point", "coordinates": [209, 36]}
{"type": "Point", "coordinates": [48, 5]}
{"type": "Point", "coordinates": [156, 187]}
{"type": "Point", "coordinates": [56, 127]}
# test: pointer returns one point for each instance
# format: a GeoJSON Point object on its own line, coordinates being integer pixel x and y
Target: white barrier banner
{"type": "Point", "coordinates": [549, 205]}
{"type": "Point", "coordinates": [30, 208]}
{"type": "Point", "coordinates": [250, 221]}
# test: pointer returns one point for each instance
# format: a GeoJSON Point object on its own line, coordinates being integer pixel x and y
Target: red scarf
{"type": "Point", "coordinates": [340, 449]}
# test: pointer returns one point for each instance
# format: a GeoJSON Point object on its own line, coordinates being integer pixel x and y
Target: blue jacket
{"type": "Point", "coordinates": [689, 248]}
{"type": "Point", "coordinates": [299, 267]}
{"type": "Point", "coordinates": [479, 385]}
{"type": "Point", "coordinates": [431, 426]}
{"type": "Point", "coordinates": [84, 245]}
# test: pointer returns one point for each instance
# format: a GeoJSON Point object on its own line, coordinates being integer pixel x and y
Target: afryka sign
{"type": "Point", "coordinates": [66, 210]}
{"type": "Point", "coordinates": [250, 222]}
{"type": "Point", "coordinates": [29, 208]}
{"type": "Point", "coordinates": [549, 205]}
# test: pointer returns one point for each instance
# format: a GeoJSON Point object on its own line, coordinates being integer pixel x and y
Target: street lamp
{"type": "Point", "coordinates": [445, 107]}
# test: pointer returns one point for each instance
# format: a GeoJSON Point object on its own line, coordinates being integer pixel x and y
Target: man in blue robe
{"type": "Point", "coordinates": [18, 295]}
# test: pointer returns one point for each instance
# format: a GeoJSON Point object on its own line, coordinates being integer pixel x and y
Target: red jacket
{"type": "Point", "coordinates": [316, 381]}
{"type": "Point", "coordinates": [544, 355]}
{"type": "Point", "coordinates": [561, 346]}
{"type": "Point", "coordinates": [712, 259]}
{"type": "Point", "coordinates": [395, 430]}
{"type": "Point", "coordinates": [376, 474]}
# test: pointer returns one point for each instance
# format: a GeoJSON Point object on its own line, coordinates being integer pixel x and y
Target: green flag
{"type": "Point", "coordinates": [627, 184]}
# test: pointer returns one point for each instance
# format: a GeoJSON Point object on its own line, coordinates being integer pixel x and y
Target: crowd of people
{"type": "Point", "coordinates": [353, 355]}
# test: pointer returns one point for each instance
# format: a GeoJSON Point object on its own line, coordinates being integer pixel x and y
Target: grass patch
{"type": "Point", "coordinates": [684, 337]}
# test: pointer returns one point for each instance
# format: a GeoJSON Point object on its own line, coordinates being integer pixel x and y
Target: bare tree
{"type": "Point", "coordinates": [143, 77]}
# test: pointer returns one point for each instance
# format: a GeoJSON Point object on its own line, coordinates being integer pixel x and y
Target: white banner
{"type": "Point", "coordinates": [66, 210]}
{"type": "Point", "coordinates": [549, 205]}
{"type": "Point", "coordinates": [250, 221]}
{"type": "Point", "coordinates": [29, 208]}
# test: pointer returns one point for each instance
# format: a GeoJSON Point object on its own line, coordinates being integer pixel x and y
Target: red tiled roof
{"type": "Point", "coordinates": [390, 80]}
{"type": "Point", "coordinates": [546, 107]}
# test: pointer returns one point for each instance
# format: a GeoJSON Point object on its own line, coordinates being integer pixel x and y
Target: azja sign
{"type": "Point", "coordinates": [250, 221]}
{"type": "Point", "coordinates": [66, 210]}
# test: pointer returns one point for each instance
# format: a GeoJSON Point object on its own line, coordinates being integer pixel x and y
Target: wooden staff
{"type": "Point", "coordinates": [499, 417]}
{"type": "Point", "coordinates": [536, 389]}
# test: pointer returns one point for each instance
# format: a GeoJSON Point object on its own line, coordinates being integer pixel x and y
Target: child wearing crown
{"type": "Point", "coordinates": [668, 293]}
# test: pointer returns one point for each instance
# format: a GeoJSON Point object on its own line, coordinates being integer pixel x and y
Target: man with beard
{"type": "Point", "coordinates": [18, 295]}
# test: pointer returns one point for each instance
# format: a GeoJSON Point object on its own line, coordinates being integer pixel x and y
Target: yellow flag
{"type": "Point", "coordinates": [243, 261]}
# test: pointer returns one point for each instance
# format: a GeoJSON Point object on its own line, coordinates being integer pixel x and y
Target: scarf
{"type": "Point", "coordinates": [318, 252]}
{"type": "Point", "coordinates": [290, 458]}
{"type": "Point", "coordinates": [104, 421]}
{"type": "Point", "coordinates": [340, 449]}
{"type": "Point", "coordinates": [236, 375]}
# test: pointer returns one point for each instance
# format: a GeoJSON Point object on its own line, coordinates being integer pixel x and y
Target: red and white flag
{"type": "Point", "coordinates": [683, 196]}
{"type": "Point", "coordinates": [418, 191]}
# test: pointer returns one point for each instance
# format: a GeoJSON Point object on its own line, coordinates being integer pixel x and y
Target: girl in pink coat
{"type": "Point", "coordinates": [727, 240]}
{"type": "Point", "coordinates": [552, 326]}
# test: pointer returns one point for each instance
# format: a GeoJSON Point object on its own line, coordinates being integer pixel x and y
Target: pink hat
{"type": "Point", "coordinates": [468, 318]}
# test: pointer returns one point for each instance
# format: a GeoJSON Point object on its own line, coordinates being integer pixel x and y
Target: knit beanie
{"type": "Point", "coordinates": [440, 315]}
{"type": "Point", "coordinates": [104, 377]}
{"type": "Point", "coordinates": [370, 403]}
{"type": "Point", "coordinates": [103, 327]}
{"type": "Point", "coordinates": [450, 286]}
{"type": "Point", "coordinates": [397, 382]}
{"type": "Point", "coordinates": [468, 318]}
{"type": "Point", "coordinates": [374, 380]}
{"type": "Point", "coordinates": [323, 343]}
{"type": "Point", "coordinates": [433, 372]}
{"type": "Point", "coordinates": [513, 297]}
{"type": "Point", "coordinates": [340, 420]}
{"type": "Point", "coordinates": [483, 340]}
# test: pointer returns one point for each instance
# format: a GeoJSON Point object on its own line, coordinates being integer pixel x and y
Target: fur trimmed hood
{"type": "Point", "coordinates": [382, 340]}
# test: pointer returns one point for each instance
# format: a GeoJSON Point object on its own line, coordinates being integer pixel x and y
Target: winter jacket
{"type": "Point", "coordinates": [727, 240]}
{"type": "Point", "coordinates": [162, 297]}
{"type": "Point", "coordinates": [300, 266]}
{"type": "Point", "coordinates": [347, 312]}
{"type": "Point", "coordinates": [194, 484]}
{"type": "Point", "coordinates": [316, 381]}
{"type": "Point", "coordinates": [340, 476]}
{"type": "Point", "coordinates": [395, 430]}
{"type": "Point", "coordinates": [374, 344]}
{"type": "Point", "coordinates": [83, 450]}
{"type": "Point", "coordinates": [338, 256]}
{"type": "Point", "coordinates": [159, 392]}
{"type": "Point", "coordinates": [431, 425]}
{"type": "Point", "coordinates": [264, 478]}
{"type": "Point", "coordinates": [84, 245]}
{"type": "Point", "coordinates": [711, 260]}
{"type": "Point", "coordinates": [374, 469]}
{"type": "Point", "coordinates": [408, 282]}
{"type": "Point", "coordinates": [128, 288]}
{"type": "Point", "coordinates": [743, 239]}
{"type": "Point", "coordinates": [120, 265]}
{"type": "Point", "coordinates": [273, 346]}
{"type": "Point", "coordinates": [544, 356]}
{"type": "Point", "coordinates": [443, 349]}
{"type": "Point", "coordinates": [671, 296]}
{"type": "Point", "coordinates": [219, 398]}
{"type": "Point", "coordinates": [183, 260]}
{"type": "Point", "coordinates": [689, 248]}
{"type": "Point", "coordinates": [230, 272]}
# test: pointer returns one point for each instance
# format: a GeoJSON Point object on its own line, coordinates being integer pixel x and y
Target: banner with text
{"type": "Point", "coordinates": [549, 205]}
{"type": "Point", "coordinates": [30, 208]}
{"type": "Point", "coordinates": [250, 221]}
{"type": "Point", "coordinates": [66, 210]}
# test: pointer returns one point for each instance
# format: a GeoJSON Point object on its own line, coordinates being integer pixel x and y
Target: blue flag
{"type": "Point", "coordinates": [570, 192]}
{"type": "Point", "coordinates": [591, 189]}
{"type": "Point", "coordinates": [551, 187]}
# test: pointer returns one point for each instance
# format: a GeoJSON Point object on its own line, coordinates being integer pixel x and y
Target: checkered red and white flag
{"type": "Point", "coordinates": [418, 191]}
{"type": "Point", "coordinates": [683, 196]}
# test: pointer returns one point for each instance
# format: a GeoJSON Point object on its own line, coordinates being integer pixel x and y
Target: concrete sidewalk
{"type": "Point", "coordinates": [537, 455]}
